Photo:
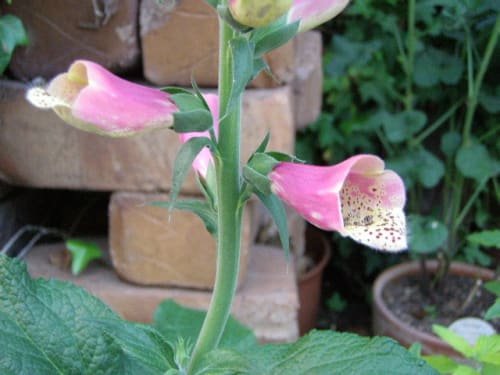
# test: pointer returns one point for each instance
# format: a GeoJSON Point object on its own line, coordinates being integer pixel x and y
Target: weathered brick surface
{"type": "Point", "coordinates": [37, 149]}
{"type": "Point", "coordinates": [151, 246]}
{"type": "Point", "coordinates": [308, 78]}
{"type": "Point", "coordinates": [180, 40]}
{"type": "Point", "coordinates": [267, 301]}
{"type": "Point", "coordinates": [61, 31]}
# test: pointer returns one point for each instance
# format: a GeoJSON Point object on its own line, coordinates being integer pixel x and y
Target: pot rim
{"type": "Point", "coordinates": [411, 268]}
{"type": "Point", "coordinates": [326, 253]}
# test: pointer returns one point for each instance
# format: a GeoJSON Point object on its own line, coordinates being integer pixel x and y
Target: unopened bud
{"type": "Point", "coordinates": [258, 13]}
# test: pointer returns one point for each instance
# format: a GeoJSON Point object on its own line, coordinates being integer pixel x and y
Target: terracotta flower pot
{"type": "Point", "coordinates": [309, 283]}
{"type": "Point", "coordinates": [386, 323]}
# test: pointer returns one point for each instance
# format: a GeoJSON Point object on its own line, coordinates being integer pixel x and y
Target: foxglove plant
{"type": "Point", "coordinates": [358, 197]}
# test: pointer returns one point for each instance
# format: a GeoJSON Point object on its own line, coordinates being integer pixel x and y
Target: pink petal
{"type": "Point", "coordinates": [357, 198]}
{"type": "Point", "coordinates": [204, 159]}
{"type": "Point", "coordinates": [312, 13]}
{"type": "Point", "coordinates": [101, 102]}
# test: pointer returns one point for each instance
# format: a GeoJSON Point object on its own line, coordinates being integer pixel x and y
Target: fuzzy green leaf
{"type": "Point", "coordinates": [53, 327]}
{"type": "Point", "coordinates": [331, 353]}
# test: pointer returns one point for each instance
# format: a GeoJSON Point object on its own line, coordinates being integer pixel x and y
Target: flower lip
{"type": "Point", "coordinates": [357, 198]}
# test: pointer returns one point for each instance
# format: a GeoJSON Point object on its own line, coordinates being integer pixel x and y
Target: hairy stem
{"type": "Point", "coordinates": [229, 213]}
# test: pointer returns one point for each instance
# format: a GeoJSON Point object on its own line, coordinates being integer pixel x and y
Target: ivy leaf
{"type": "Point", "coordinates": [53, 327]}
{"type": "Point", "coordinates": [401, 126]}
{"type": "Point", "coordinates": [434, 65]}
{"type": "Point", "coordinates": [430, 169]}
{"type": "Point", "coordinates": [450, 142]}
{"type": "Point", "coordinates": [82, 253]}
{"type": "Point", "coordinates": [427, 234]}
{"type": "Point", "coordinates": [474, 161]}
{"type": "Point", "coordinates": [486, 238]}
{"type": "Point", "coordinates": [332, 353]}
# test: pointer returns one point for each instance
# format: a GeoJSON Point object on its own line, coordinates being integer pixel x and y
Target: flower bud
{"type": "Point", "coordinates": [258, 13]}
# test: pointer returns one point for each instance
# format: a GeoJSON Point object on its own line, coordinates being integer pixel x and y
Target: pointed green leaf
{"type": "Point", "coordinates": [272, 36]}
{"type": "Point", "coordinates": [82, 253]}
{"type": "Point", "coordinates": [278, 212]}
{"type": "Point", "coordinates": [494, 311]}
{"type": "Point", "coordinates": [487, 238]}
{"type": "Point", "coordinates": [487, 349]}
{"type": "Point", "coordinates": [197, 206]}
{"type": "Point", "coordinates": [427, 234]}
{"type": "Point", "coordinates": [456, 341]}
{"type": "Point", "coordinates": [51, 327]}
{"type": "Point", "coordinates": [183, 162]}
{"type": "Point", "coordinates": [493, 287]}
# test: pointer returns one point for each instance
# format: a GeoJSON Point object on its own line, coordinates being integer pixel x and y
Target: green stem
{"type": "Point", "coordinates": [474, 84]}
{"type": "Point", "coordinates": [229, 214]}
{"type": "Point", "coordinates": [410, 56]}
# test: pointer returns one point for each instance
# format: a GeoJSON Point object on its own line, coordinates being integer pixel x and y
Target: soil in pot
{"type": "Point", "coordinates": [403, 310]}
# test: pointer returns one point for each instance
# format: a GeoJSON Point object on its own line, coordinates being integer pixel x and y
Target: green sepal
{"type": "Point", "coordinates": [199, 207]}
{"type": "Point", "coordinates": [192, 121]}
{"type": "Point", "coordinates": [175, 90]}
{"type": "Point", "coordinates": [193, 115]}
{"type": "Point", "coordinates": [278, 212]}
{"type": "Point", "coordinates": [82, 253]}
{"type": "Point", "coordinates": [257, 180]}
{"type": "Point", "coordinates": [274, 35]}
{"type": "Point", "coordinates": [263, 145]}
{"type": "Point", "coordinates": [257, 169]}
{"type": "Point", "coordinates": [183, 162]}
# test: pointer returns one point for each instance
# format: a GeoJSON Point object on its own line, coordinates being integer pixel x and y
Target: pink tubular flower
{"type": "Point", "coordinates": [312, 13]}
{"type": "Point", "coordinates": [91, 98]}
{"type": "Point", "coordinates": [204, 159]}
{"type": "Point", "coordinates": [357, 198]}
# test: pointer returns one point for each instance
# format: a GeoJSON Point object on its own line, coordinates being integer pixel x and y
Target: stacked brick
{"type": "Point", "coordinates": [147, 245]}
